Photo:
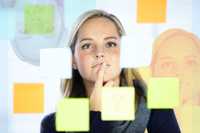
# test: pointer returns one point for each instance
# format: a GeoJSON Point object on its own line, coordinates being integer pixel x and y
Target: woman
{"type": "Point", "coordinates": [176, 53]}
{"type": "Point", "coordinates": [95, 44]}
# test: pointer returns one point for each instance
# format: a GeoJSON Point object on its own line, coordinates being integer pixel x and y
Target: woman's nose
{"type": "Point", "coordinates": [99, 52]}
{"type": "Point", "coordinates": [179, 70]}
{"type": "Point", "coordinates": [100, 55]}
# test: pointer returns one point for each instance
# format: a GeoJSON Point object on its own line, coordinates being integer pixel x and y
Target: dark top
{"type": "Point", "coordinates": [156, 120]}
{"type": "Point", "coordinates": [160, 121]}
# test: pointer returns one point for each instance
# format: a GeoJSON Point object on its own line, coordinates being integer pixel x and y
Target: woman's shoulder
{"type": "Point", "coordinates": [48, 119]}
{"type": "Point", "coordinates": [163, 120]}
{"type": "Point", "coordinates": [48, 124]}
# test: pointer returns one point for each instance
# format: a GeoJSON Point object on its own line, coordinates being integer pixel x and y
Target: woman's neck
{"type": "Point", "coordinates": [89, 86]}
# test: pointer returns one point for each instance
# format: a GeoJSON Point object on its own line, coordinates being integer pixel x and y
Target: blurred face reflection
{"type": "Point", "coordinates": [179, 56]}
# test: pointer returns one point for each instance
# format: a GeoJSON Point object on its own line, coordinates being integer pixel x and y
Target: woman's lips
{"type": "Point", "coordinates": [99, 65]}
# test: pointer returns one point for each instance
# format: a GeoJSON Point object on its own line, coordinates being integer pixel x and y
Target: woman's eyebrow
{"type": "Point", "coordinates": [166, 58]}
{"type": "Point", "coordinates": [191, 57]}
{"type": "Point", "coordinates": [110, 37]}
{"type": "Point", "coordinates": [86, 39]}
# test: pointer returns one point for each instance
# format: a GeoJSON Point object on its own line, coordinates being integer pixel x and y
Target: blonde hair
{"type": "Point", "coordinates": [92, 14]}
{"type": "Point", "coordinates": [74, 87]}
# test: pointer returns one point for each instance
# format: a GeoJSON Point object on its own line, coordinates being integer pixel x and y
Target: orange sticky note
{"type": "Point", "coordinates": [28, 98]}
{"type": "Point", "coordinates": [151, 11]}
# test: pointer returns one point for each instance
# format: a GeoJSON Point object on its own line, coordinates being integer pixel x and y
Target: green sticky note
{"type": "Point", "coordinates": [39, 19]}
{"type": "Point", "coordinates": [72, 115]}
{"type": "Point", "coordinates": [118, 103]}
{"type": "Point", "coordinates": [163, 93]}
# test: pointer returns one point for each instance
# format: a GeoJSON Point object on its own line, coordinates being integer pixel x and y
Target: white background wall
{"type": "Point", "coordinates": [180, 14]}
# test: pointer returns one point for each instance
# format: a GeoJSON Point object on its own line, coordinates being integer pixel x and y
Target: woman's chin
{"type": "Point", "coordinates": [107, 77]}
{"type": "Point", "coordinates": [110, 77]}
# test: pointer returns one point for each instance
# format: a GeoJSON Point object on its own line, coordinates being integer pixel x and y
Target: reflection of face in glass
{"type": "Point", "coordinates": [178, 55]}
{"type": "Point", "coordinates": [98, 42]}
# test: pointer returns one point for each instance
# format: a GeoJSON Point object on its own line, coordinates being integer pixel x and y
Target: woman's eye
{"type": "Point", "coordinates": [86, 46]}
{"type": "Point", "coordinates": [191, 62]}
{"type": "Point", "coordinates": [111, 44]}
{"type": "Point", "coordinates": [167, 65]}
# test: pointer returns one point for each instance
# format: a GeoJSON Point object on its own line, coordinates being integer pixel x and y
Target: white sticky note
{"type": "Point", "coordinates": [118, 103]}
{"type": "Point", "coordinates": [56, 63]}
{"type": "Point", "coordinates": [135, 53]}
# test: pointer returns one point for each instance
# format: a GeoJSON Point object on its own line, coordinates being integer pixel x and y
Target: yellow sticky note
{"type": "Point", "coordinates": [28, 98]}
{"type": "Point", "coordinates": [189, 118]}
{"type": "Point", "coordinates": [196, 119]}
{"type": "Point", "coordinates": [72, 114]}
{"type": "Point", "coordinates": [163, 93]}
{"type": "Point", "coordinates": [151, 11]}
{"type": "Point", "coordinates": [118, 103]}
{"type": "Point", "coordinates": [145, 73]}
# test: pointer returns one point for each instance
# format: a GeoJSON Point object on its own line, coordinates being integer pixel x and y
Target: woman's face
{"type": "Point", "coordinates": [181, 62]}
{"type": "Point", "coordinates": [98, 42]}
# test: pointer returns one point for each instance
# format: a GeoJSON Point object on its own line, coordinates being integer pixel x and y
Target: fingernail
{"type": "Point", "coordinates": [104, 65]}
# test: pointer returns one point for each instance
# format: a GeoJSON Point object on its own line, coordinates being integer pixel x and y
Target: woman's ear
{"type": "Point", "coordinates": [74, 66]}
{"type": "Point", "coordinates": [74, 63]}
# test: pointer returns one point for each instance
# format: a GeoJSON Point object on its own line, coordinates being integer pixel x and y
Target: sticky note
{"type": "Point", "coordinates": [7, 23]}
{"type": "Point", "coordinates": [28, 98]}
{"type": "Point", "coordinates": [56, 63]}
{"type": "Point", "coordinates": [72, 114]}
{"type": "Point", "coordinates": [39, 19]}
{"type": "Point", "coordinates": [196, 119]}
{"type": "Point", "coordinates": [188, 118]}
{"type": "Point", "coordinates": [184, 115]}
{"type": "Point", "coordinates": [129, 48]}
{"type": "Point", "coordinates": [74, 8]}
{"type": "Point", "coordinates": [118, 103]}
{"type": "Point", "coordinates": [163, 93]}
{"type": "Point", "coordinates": [144, 72]}
{"type": "Point", "coordinates": [151, 11]}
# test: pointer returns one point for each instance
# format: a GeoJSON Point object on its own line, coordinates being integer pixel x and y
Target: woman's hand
{"type": "Point", "coordinates": [95, 97]}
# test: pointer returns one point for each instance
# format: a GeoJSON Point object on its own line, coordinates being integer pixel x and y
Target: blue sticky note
{"type": "Point", "coordinates": [196, 17]}
{"type": "Point", "coordinates": [74, 8]}
{"type": "Point", "coordinates": [7, 23]}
